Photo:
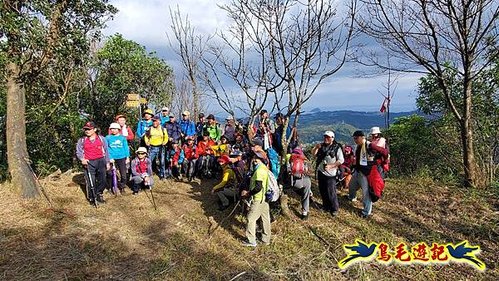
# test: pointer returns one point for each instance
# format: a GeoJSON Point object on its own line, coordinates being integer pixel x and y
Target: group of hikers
{"type": "Point", "coordinates": [250, 162]}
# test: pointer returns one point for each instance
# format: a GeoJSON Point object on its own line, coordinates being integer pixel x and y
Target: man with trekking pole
{"type": "Point", "coordinates": [91, 150]}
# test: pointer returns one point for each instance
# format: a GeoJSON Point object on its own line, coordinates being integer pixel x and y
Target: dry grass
{"type": "Point", "coordinates": [126, 239]}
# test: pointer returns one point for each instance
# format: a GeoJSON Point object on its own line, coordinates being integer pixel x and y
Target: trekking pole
{"type": "Point", "coordinates": [152, 197]}
{"type": "Point", "coordinates": [91, 187]}
{"type": "Point", "coordinates": [115, 180]}
{"type": "Point", "coordinates": [218, 225]}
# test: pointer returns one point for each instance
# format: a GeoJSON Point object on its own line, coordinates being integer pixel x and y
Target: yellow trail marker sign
{"type": "Point", "coordinates": [133, 97]}
{"type": "Point", "coordinates": [132, 103]}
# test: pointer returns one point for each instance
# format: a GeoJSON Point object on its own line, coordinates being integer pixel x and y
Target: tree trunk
{"type": "Point", "coordinates": [469, 161]}
{"type": "Point", "coordinates": [284, 143]}
{"type": "Point", "coordinates": [17, 153]}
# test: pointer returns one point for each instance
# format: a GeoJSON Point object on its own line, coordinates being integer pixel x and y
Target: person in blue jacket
{"type": "Point", "coordinates": [119, 155]}
{"type": "Point", "coordinates": [173, 128]}
{"type": "Point", "coordinates": [144, 125]}
{"type": "Point", "coordinates": [188, 126]}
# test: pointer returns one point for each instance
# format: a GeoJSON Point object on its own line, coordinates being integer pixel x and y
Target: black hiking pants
{"type": "Point", "coordinates": [120, 165]}
{"type": "Point", "coordinates": [95, 175]}
{"type": "Point", "coordinates": [327, 188]}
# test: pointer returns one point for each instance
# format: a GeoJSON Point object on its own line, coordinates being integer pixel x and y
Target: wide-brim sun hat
{"type": "Point", "coordinates": [141, 150]}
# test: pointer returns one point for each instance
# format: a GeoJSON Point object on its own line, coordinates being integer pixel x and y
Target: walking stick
{"type": "Point", "coordinates": [115, 180]}
{"type": "Point", "coordinates": [92, 189]}
{"type": "Point", "coordinates": [152, 197]}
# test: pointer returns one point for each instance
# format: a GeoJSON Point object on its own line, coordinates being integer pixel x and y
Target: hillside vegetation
{"type": "Point", "coordinates": [126, 239]}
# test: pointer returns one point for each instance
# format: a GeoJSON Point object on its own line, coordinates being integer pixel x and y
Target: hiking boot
{"type": "Point", "coordinates": [364, 216]}
{"type": "Point", "coordinates": [334, 213]}
{"type": "Point", "coordinates": [304, 217]}
{"type": "Point", "coordinates": [249, 244]}
{"type": "Point", "coordinates": [122, 191]}
{"type": "Point", "coordinates": [100, 199]}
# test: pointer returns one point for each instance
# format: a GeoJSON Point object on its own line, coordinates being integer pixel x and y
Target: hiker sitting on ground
{"type": "Point", "coordinates": [141, 171]}
{"type": "Point", "coordinates": [206, 161]}
{"type": "Point", "coordinates": [258, 208]}
{"type": "Point", "coordinates": [92, 151]}
{"type": "Point", "coordinates": [300, 179]}
{"type": "Point", "coordinates": [174, 160]}
{"type": "Point", "coordinates": [119, 155]}
{"type": "Point", "coordinates": [226, 189]}
{"type": "Point", "coordinates": [190, 158]}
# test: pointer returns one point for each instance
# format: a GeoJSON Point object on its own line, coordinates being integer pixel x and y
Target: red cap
{"type": "Point", "coordinates": [224, 159]}
{"type": "Point", "coordinates": [89, 125]}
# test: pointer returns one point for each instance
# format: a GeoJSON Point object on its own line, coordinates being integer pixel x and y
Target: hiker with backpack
{"type": "Point", "coordinates": [144, 125]}
{"type": "Point", "coordinates": [329, 158]}
{"type": "Point", "coordinates": [119, 154]}
{"type": "Point", "coordinates": [366, 167]}
{"type": "Point", "coordinates": [378, 140]}
{"type": "Point", "coordinates": [226, 189]}
{"type": "Point", "coordinates": [156, 139]}
{"type": "Point", "coordinates": [91, 150]}
{"type": "Point", "coordinates": [200, 126]}
{"type": "Point", "coordinates": [258, 206]}
{"type": "Point", "coordinates": [213, 128]}
{"type": "Point", "coordinates": [299, 179]}
{"type": "Point", "coordinates": [141, 171]}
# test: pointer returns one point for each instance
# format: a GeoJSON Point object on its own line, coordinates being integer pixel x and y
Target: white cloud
{"type": "Point", "coordinates": [148, 21]}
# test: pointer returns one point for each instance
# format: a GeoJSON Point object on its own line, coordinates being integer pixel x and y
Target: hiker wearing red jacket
{"type": "Point", "coordinates": [206, 160]}
{"type": "Point", "coordinates": [365, 166]}
{"type": "Point", "coordinates": [190, 158]}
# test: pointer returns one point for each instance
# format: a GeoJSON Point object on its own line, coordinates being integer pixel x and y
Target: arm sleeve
{"type": "Point", "coordinates": [140, 130]}
{"type": "Point", "coordinates": [131, 135]}
{"type": "Point", "coordinates": [225, 180]}
{"type": "Point", "coordinates": [340, 157]}
{"type": "Point", "coordinates": [104, 147]}
{"type": "Point", "coordinates": [134, 168]}
{"type": "Point", "coordinates": [258, 188]}
{"type": "Point", "coordinates": [126, 148]}
{"type": "Point", "coordinates": [380, 150]}
{"type": "Point", "coordinates": [165, 136]}
{"type": "Point", "coordinates": [79, 149]}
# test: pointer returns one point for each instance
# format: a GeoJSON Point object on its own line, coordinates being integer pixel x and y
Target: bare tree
{"type": "Point", "coordinates": [189, 46]}
{"type": "Point", "coordinates": [430, 36]}
{"type": "Point", "coordinates": [281, 52]}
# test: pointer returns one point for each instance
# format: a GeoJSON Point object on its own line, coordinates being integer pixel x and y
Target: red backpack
{"type": "Point", "coordinates": [298, 165]}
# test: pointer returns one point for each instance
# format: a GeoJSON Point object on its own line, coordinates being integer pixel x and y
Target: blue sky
{"type": "Point", "coordinates": [147, 22]}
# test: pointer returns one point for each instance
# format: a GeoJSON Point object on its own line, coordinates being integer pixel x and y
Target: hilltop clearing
{"type": "Point", "coordinates": [126, 239]}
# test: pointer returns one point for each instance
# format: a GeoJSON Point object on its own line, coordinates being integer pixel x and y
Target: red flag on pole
{"type": "Point", "coordinates": [384, 105]}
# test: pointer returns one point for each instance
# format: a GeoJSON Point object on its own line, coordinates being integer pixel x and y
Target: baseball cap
{"type": "Point", "coordinates": [89, 125]}
{"type": "Point", "coordinates": [358, 133]}
{"type": "Point", "coordinates": [329, 134]}
{"type": "Point", "coordinates": [114, 126]}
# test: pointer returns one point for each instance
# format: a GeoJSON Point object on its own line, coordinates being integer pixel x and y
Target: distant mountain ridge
{"type": "Point", "coordinates": [311, 125]}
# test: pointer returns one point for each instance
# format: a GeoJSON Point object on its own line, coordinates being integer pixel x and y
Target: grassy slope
{"type": "Point", "coordinates": [127, 240]}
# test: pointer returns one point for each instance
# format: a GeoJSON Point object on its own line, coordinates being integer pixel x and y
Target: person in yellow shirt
{"type": "Point", "coordinates": [226, 189]}
{"type": "Point", "coordinates": [259, 208]}
{"type": "Point", "coordinates": [156, 139]}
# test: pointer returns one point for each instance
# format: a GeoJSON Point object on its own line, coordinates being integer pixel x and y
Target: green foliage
{"type": "Point", "coordinates": [51, 39]}
{"type": "Point", "coordinates": [122, 67]}
{"type": "Point", "coordinates": [423, 148]}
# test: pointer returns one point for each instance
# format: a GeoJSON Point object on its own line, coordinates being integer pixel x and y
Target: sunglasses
{"type": "Point", "coordinates": [141, 153]}
{"type": "Point", "coordinates": [87, 129]}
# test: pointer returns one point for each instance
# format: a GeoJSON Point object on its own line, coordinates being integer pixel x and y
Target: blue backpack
{"type": "Point", "coordinates": [274, 161]}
